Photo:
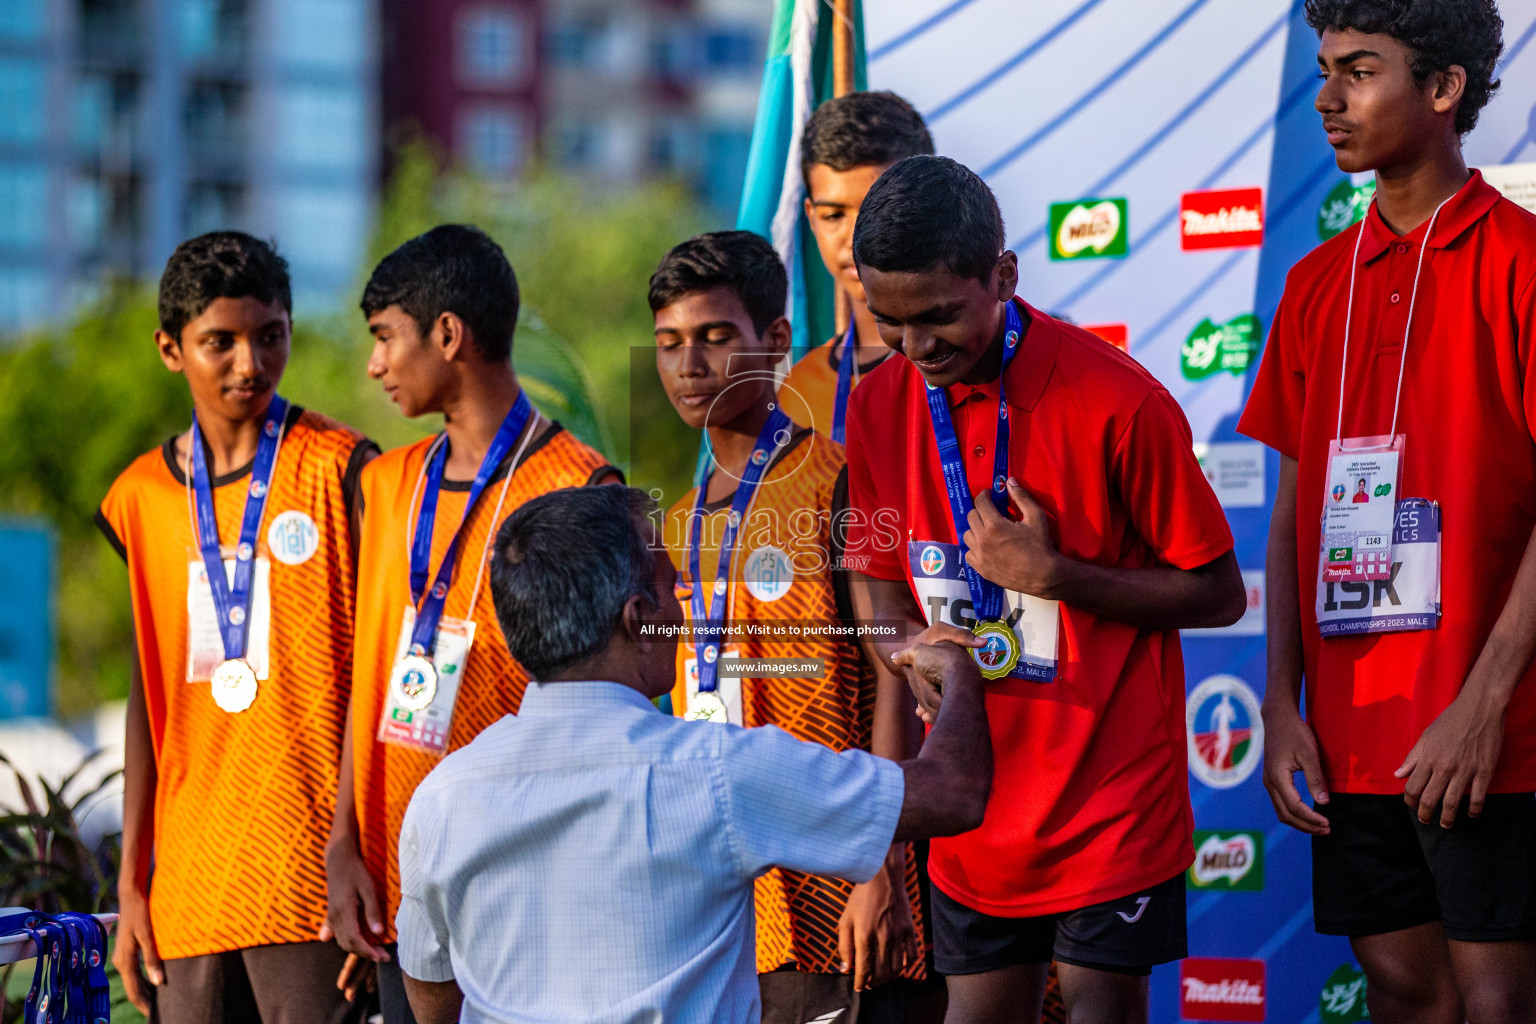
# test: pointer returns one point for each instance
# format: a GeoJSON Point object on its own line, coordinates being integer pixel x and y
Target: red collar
{"type": "Point", "coordinates": [1464, 209]}
{"type": "Point", "coordinates": [1030, 370]}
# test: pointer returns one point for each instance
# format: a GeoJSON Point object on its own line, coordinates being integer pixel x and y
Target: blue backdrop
{"type": "Point", "coordinates": [1100, 124]}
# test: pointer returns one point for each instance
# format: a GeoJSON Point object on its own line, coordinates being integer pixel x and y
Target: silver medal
{"type": "Point", "coordinates": [234, 685]}
{"type": "Point", "coordinates": [413, 682]}
{"type": "Point", "coordinates": [707, 707]}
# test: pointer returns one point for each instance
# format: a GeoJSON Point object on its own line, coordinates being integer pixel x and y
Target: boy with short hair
{"type": "Point", "coordinates": [430, 670]}
{"type": "Point", "coordinates": [236, 707]}
{"type": "Point", "coordinates": [848, 142]}
{"type": "Point", "coordinates": [1040, 488]}
{"type": "Point", "coordinates": [1418, 675]}
{"type": "Point", "coordinates": [759, 546]}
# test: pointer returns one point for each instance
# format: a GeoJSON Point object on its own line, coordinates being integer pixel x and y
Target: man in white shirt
{"type": "Point", "coordinates": [591, 859]}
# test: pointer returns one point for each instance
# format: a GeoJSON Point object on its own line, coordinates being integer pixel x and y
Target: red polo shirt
{"type": "Point", "coordinates": [1468, 402]}
{"type": "Point", "coordinates": [1090, 795]}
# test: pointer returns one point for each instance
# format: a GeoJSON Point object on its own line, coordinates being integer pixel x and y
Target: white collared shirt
{"type": "Point", "coordinates": [591, 859]}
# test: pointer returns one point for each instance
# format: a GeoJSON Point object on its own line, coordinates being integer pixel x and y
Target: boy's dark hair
{"type": "Point", "coordinates": [928, 212]}
{"type": "Point", "coordinates": [564, 566]}
{"type": "Point", "coordinates": [739, 260]}
{"type": "Point", "coordinates": [454, 268]}
{"type": "Point", "coordinates": [1439, 32]}
{"type": "Point", "coordinates": [220, 265]}
{"type": "Point", "coordinates": [862, 129]}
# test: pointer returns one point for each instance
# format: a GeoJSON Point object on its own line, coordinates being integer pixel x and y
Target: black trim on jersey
{"type": "Point", "coordinates": [501, 470]}
{"type": "Point", "coordinates": [352, 479]}
{"type": "Point", "coordinates": [168, 450]}
{"type": "Point", "coordinates": [797, 435]}
{"type": "Point", "coordinates": [111, 535]}
{"type": "Point", "coordinates": [838, 526]}
{"type": "Point", "coordinates": [602, 471]}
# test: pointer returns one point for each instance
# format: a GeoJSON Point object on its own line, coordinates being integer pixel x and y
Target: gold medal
{"type": "Point", "coordinates": [707, 707]}
{"type": "Point", "coordinates": [413, 682]}
{"type": "Point", "coordinates": [234, 685]}
{"type": "Point", "coordinates": [1000, 654]}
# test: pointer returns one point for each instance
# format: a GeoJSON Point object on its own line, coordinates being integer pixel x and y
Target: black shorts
{"type": "Point", "coordinates": [1129, 935]}
{"type": "Point", "coordinates": [1381, 870]}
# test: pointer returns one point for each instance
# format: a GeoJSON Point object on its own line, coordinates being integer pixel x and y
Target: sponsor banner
{"type": "Point", "coordinates": [1212, 347]}
{"type": "Point", "coordinates": [1212, 988]}
{"type": "Point", "coordinates": [1226, 735]}
{"type": "Point", "coordinates": [1345, 204]}
{"type": "Point", "coordinates": [1516, 181]}
{"type": "Point", "coordinates": [1252, 622]}
{"type": "Point", "coordinates": [1227, 219]}
{"type": "Point", "coordinates": [1116, 334]}
{"type": "Point", "coordinates": [1235, 470]}
{"type": "Point", "coordinates": [1342, 1000]}
{"type": "Point", "coordinates": [1088, 229]}
{"type": "Point", "coordinates": [1228, 860]}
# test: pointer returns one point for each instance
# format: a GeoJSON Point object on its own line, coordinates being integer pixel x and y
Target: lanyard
{"type": "Point", "coordinates": [845, 374]}
{"type": "Point", "coordinates": [1349, 310]}
{"type": "Point", "coordinates": [711, 610]}
{"type": "Point", "coordinates": [430, 610]}
{"type": "Point", "coordinates": [232, 601]}
{"type": "Point", "coordinates": [985, 595]}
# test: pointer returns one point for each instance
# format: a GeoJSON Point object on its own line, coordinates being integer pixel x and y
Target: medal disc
{"type": "Point", "coordinates": [414, 682]}
{"type": "Point", "coordinates": [234, 685]}
{"type": "Point", "coordinates": [1000, 654]}
{"type": "Point", "coordinates": [707, 707]}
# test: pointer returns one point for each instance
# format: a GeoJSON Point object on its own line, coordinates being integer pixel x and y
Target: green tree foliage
{"type": "Point", "coordinates": [84, 398]}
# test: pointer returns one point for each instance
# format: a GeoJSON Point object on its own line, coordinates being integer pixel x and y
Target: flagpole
{"type": "Point", "coordinates": [842, 84]}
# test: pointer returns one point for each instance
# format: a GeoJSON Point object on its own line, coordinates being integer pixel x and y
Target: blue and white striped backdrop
{"type": "Point", "coordinates": [1060, 100]}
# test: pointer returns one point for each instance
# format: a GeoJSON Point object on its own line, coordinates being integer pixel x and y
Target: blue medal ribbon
{"type": "Point", "coordinates": [710, 611]}
{"type": "Point", "coordinates": [232, 601]}
{"type": "Point", "coordinates": [429, 610]}
{"type": "Point", "coordinates": [844, 385]}
{"type": "Point", "coordinates": [985, 595]}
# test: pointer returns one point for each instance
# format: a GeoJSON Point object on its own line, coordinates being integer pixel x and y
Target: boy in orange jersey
{"type": "Point", "coordinates": [718, 300]}
{"type": "Point", "coordinates": [239, 543]}
{"type": "Point", "coordinates": [430, 668]}
{"type": "Point", "coordinates": [848, 143]}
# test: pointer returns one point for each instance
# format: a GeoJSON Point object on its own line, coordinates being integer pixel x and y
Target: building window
{"type": "Point", "coordinates": [492, 46]}
{"type": "Point", "coordinates": [23, 204]}
{"type": "Point", "coordinates": [21, 100]}
{"type": "Point", "coordinates": [735, 50]}
{"type": "Point", "coordinates": [491, 140]}
{"type": "Point", "coordinates": [23, 297]}
{"type": "Point", "coordinates": [575, 42]}
{"type": "Point", "coordinates": [21, 19]}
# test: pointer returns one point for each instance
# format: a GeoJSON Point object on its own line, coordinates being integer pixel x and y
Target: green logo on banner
{"type": "Point", "coordinates": [1343, 997]}
{"type": "Point", "coordinates": [1211, 348]}
{"type": "Point", "coordinates": [1345, 204]}
{"type": "Point", "coordinates": [1228, 860]}
{"type": "Point", "coordinates": [1089, 229]}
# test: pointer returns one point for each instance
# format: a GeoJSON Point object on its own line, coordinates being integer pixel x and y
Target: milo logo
{"type": "Point", "coordinates": [1342, 1000]}
{"type": "Point", "coordinates": [1228, 860]}
{"type": "Point", "coordinates": [1345, 204]}
{"type": "Point", "coordinates": [1212, 347]}
{"type": "Point", "coordinates": [1088, 229]}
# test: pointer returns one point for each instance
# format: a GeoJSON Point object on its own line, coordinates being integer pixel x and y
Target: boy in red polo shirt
{"type": "Point", "coordinates": [1088, 536]}
{"type": "Point", "coordinates": [1407, 341]}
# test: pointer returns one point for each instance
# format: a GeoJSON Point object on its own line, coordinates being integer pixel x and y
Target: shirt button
{"type": "Point", "coordinates": [1396, 298]}
{"type": "Point", "coordinates": [978, 451]}
{"type": "Point", "coordinates": [1402, 247]}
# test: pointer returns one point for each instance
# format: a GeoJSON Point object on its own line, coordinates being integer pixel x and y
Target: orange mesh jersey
{"type": "Point", "coordinates": [385, 775]}
{"type": "Point", "coordinates": [809, 391]}
{"type": "Point", "coordinates": [782, 574]}
{"type": "Point", "coordinates": [244, 801]}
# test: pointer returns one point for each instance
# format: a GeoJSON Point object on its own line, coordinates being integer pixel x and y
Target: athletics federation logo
{"type": "Point", "coordinates": [1226, 735]}
{"type": "Point", "coordinates": [1338, 492]}
{"type": "Point", "coordinates": [1213, 988]}
{"type": "Point", "coordinates": [1229, 219]}
{"type": "Point", "coordinates": [932, 560]}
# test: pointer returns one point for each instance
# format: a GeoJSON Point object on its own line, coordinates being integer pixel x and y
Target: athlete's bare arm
{"type": "Point", "coordinates": [1022, 557]}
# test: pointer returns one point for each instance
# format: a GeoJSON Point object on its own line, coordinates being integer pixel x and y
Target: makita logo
{"type": "Point", "coordinates": [1221, 220]}
{"type": "Point", "coordinates": [1221, 989]}
{"type": "Point", "coordinates": [1227, 992]}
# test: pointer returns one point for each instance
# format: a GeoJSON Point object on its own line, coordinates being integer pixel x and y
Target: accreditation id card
{"type": "Point", "coordinates": [205, 642]}
{"type": "Point", "coordinates": [938, 579]}
{"type": "Point", "coordinates": [427, 729]}
{"type": "Point", "coordinates": [1359, 508]}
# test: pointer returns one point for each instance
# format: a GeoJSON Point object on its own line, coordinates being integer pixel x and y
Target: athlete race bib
{"type": "Point", "coordinates": [205, 641]}
{"type": "Point", "coordinates": [938, 579]}
{"type": "Point", "coordinates": [405, 722]}
{"type": "Point", "coordinates": [1407, 599]}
